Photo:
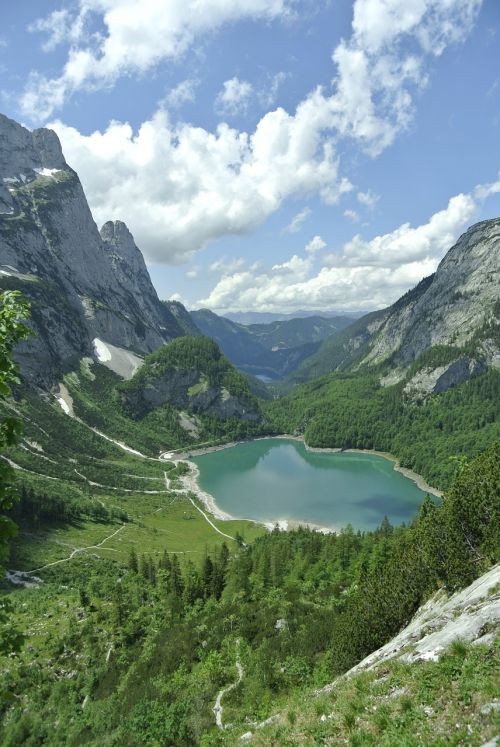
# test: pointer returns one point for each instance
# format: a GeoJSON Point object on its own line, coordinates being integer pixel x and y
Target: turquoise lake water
{"type": "Point", "coordinates": [276, 479]}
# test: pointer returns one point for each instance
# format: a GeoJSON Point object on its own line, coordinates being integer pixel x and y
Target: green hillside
{"type": "Point", "coordinates": [134, 652]}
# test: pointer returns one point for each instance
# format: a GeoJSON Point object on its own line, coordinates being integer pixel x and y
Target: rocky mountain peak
{"type": "Point", "coordinates": [23, 151]}
{"type": "Point", "coordinates": [82, 284]}
{"type": "Point", "coordinates": [122, 246]}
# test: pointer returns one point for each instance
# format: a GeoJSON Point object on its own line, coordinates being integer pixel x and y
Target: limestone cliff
{"type": "Point", "coordinates": [455, 312]}
{"type": "Point", "coordinates": [82, 284]}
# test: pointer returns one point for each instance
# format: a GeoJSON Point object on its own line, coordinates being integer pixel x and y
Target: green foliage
{"type": "Point", "coordinates": [353, 411]}
{"type": "Point", "coordinates": [192, 353]}
{"type": "Point", "coordinates": [156, 636]}
{"type": "Point", "coordinates": [13, 310]}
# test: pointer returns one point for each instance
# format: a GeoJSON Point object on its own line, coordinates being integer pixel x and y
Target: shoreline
{"type": "Point", "coordinates": [190, 481]}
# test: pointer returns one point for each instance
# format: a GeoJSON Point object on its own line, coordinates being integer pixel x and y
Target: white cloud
{"type": "Point", "coordinates": [182, 93]}
{"type": "Point", "coordinates": [315, 245]}
{"type": "Point", "coordinates": [363, 275]}
{"type": "Point", "coordinates": [298, 219]}
{"type": "Point", "coordinates": [182, 186]}
{"type": "Point", "coordinates": [368, 199]}
{"type": "Point", "coordinates": [179, 186]}
{"type": "Point", "coordinates": [61, 26]}
{"type": "Point", "coordinates": [178, 297]}
{"type": "Point", "coordinates": [407, 244]}
{"type": "Point", "coordinates": [227, 265]}
{"type": "Point", "coordinates": [234, 97]}
{"type": "Point", "coordinates": [483, 191]}
{"type": "Point", "coordinates": [139, 35]}
{"type": "Point", "coordinates": [268, 96]}
{"type": "Point", "coordinates": [376, 73]}
{"type": "Point", "coordinates": [352, 215]}
{"type": "Point", "coordinates": [193, 272]}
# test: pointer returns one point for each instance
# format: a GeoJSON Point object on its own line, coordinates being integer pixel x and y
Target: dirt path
{"type": "Point", "coordinates": [217, 709]}
{"type": "Point", "coordinates": [77, 550]}
{"type": "Point", "coordinates": [211, 522]}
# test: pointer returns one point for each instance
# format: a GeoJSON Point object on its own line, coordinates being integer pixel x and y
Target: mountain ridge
{"type": "Point", "coordinates": [457, 307]}
{"type": "Point", "coordinates": [83, 284]}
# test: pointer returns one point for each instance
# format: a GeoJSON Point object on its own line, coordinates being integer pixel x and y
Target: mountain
{"type": "Point", "coordinates": [244, 349]}
{"type": "Point", "coordinates": [182, 316]}
{"type": "Point", "coordinates": [267, 317]}
{"type": "Point", "coordinates": [190, 374]}
{"type": "Point", "coordinates": [291, 333]}
{"type": "Point", "coordinates": [455, 312]}
{"type": "Point", "coordinates": [83, 284]}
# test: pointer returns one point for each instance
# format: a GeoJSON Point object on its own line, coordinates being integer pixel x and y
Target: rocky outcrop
{"type": "Point", "coordinates": [442, 378]}
{"type": "Point", "coordinates": [82, 284]}
{"type": "Point", "coordinates": [458, 306]}
{"type": "Point", "coordinates": [188, 389]}
{"type": "Point", "coordinates": [190, 374]}
{"type": "Point", "coordinates": [457, 301]}
{"type": "Point", "coordinates": [469, 615]}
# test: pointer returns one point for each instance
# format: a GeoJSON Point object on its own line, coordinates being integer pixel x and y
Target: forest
{"type": "Point", "coordinates": [352, 411]}
{"type": "Point", "coordinates": [140, 649]}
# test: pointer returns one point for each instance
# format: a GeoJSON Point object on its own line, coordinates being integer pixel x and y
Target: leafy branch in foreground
{"type": "Point", "coordinates": [13, 310]}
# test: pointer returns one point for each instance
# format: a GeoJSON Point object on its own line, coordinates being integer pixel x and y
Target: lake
{"type": "Point", "coordinates": [272, 480]}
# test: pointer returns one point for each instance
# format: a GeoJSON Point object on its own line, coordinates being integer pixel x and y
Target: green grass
{"type": "Point", "coordinates": [409, 705]}
{"type": "Point", "coordinates": [57, 446]}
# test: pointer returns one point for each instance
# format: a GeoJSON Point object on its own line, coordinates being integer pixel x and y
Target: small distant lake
{"type": "Point", "coordinates": [278, 479]}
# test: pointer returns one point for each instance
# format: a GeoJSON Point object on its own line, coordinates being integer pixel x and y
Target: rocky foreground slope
{"type": "Point", "coordinates": [83, 284]}
{"type": "Point", "coordinates": [398, 678]}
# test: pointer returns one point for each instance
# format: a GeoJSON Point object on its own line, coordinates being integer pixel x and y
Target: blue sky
{"type": "Point", "coordinates": [270, 154]}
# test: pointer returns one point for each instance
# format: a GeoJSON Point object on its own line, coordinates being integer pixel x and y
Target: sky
{"type": "Point", "coordinates": [270, 155]}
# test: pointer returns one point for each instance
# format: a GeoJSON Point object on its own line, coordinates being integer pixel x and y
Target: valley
{"type": "Point", "coordinates": [134, 606]}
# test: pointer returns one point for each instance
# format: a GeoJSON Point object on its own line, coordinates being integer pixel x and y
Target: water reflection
{"type": "Point", "coordinates": [273, 479]}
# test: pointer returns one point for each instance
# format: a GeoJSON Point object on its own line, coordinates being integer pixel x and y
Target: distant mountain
{"type": "Point", "coordinates": [244, 349]}
{"type": "Point", "coordinates": [82, 284]}
{"type": "Point", "coordinates": [297, 331]}
{"type": "Point", "coordinates": [265, 317]}
{"type": "Point", "coordinates": [454, 313]}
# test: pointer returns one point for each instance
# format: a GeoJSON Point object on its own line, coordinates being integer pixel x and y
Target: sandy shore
{"type": "Point", "coordinates": [190, 481]}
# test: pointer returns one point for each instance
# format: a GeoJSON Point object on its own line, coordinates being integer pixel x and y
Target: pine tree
{"type": "Point", "coordinates": [132, 560]}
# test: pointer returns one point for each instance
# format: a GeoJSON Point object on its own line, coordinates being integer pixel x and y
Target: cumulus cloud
{"type": "Point", "coordinates": [179, 186]}
{"type": "Point", "coordinates": [315, 245]}
{"type": "Point", "coordinates": [182, 93]}
{"type": "Point", "coordinates": [352, 215]}
{"type": "Point", "coordinates": [298, 219]}
{"type": "Point", "coordinates": [234, 97]}
{"type": "Point", "coordinates": [182, 186]}
{"type": "Point", "coordinates": [227, 265]}
{"type": "Point", "coordinates": [363, 275]}
{"type": "Point", "coordinates": [139, 34]}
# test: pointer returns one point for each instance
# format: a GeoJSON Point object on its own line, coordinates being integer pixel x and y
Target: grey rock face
{"type": "Point", "coordinates": [82, 284]}
{"type": "Point", "coordinates": [457, 302]}
{"type": "Point", "coordinates": [174, 388]}
{"type": "Point", "coordinates": [442, 378]}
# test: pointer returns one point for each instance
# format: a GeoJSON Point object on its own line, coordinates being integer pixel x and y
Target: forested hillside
{"type": "Point", "coordinates": [135, 653]}
{"type": "Point", "coordinates": [353, 411]}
